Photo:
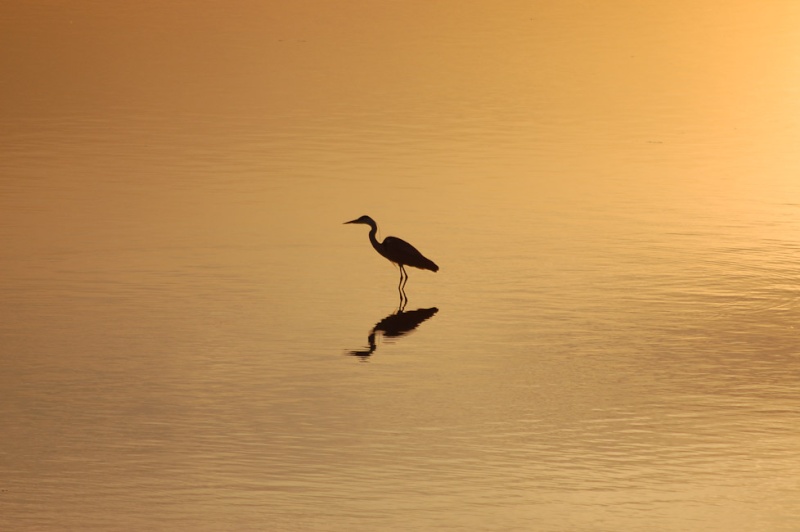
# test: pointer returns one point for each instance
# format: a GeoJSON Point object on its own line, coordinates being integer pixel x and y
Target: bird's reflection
{"type": "Point", "coordinates": [395, 325]}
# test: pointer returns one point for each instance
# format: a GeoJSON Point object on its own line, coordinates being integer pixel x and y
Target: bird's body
{"type": "Point", "coordinates": [402, 253]}
{"type": "Point", "coordinates": [397, 251]}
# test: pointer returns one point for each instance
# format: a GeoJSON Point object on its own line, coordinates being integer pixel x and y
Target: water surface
{"type": "Point", "coordinates": [611, 193]}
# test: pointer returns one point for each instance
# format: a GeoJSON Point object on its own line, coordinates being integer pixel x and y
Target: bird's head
{"type": "Point", "coordinates": [363, 220]}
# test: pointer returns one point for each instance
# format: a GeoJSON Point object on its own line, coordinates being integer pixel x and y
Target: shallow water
{"type": "Point", "coordinates": [611, 194]}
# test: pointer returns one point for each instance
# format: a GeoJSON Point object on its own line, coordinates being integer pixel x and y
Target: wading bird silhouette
{"type": "Point", "coordinates": [397, 251]}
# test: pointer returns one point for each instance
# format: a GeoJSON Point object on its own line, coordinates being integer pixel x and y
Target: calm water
{"type": "Point", "coordinates": [612, 194]}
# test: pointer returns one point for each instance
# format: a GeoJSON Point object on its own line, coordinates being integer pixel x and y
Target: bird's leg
{"type": "Point", "coordinates": [401, 287]}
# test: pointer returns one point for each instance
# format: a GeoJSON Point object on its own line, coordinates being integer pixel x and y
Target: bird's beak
{"type": "Point", "coordinates": [352, 222]}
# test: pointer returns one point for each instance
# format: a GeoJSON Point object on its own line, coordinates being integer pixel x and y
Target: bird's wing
{"type": "Point", "coordinates": [400, 248]}
{"type": "Point", "coordinates": [401, 252]}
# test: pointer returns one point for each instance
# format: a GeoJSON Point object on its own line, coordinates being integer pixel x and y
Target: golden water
{"type": "Point", "coordinates": [611, 192]}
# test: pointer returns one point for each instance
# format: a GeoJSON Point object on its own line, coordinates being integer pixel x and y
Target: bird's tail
{"type": "Point", "coordinates": [428, 264]}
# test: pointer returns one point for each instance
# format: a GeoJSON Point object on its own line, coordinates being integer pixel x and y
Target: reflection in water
{"type": "Point", "coordinates": [395, 325]}
{"type": "Point", "coordinates": [399, 252]}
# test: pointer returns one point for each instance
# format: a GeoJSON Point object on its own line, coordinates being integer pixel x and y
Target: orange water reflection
{"type": "Point", "coordinates": [612, 188]}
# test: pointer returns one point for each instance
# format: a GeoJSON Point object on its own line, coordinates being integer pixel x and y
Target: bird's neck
{"type": "Point", "coordinates": [372, 238]}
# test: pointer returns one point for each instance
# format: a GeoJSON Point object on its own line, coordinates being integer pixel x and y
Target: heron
{"type": "Point", "coordinates": [397, 251]}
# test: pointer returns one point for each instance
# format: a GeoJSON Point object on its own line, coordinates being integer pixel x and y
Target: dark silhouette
{"type": "Point", "coordinates": [395, 325]}
{"type": "Point", "coordinates": [397, 251]}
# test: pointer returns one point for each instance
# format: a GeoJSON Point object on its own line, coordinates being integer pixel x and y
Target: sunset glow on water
{"type": "Point", "coordinates": [192, 339]}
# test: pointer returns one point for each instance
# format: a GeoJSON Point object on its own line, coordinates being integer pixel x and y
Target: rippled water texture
{"type": "Point", "coordinates": [191, 339]}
